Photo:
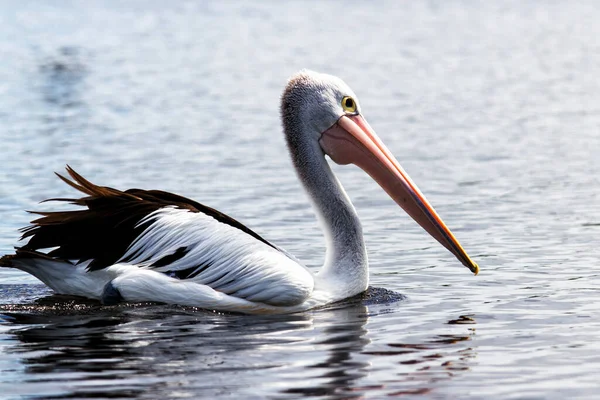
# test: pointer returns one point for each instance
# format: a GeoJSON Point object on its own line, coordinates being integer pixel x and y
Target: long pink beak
{"type": "Point", "coordinates": [352, 140]}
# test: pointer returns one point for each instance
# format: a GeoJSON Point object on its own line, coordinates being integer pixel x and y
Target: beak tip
{"type": "Point", "coordinates": [474, 269]}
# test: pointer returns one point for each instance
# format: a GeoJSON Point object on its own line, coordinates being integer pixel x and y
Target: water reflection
{"type": "Point", "coordinates": [423, 362]}
{"type": "Point", "coordinates": [63, 73]}
{"type": "Point", "coordinates": [343, 336]}
{"type": "Point", "coordinates": [64, 115]}
{"type": "Point", "coordinates": [126, 351]}
{"type": "Point", "coordinates": [69, 348]}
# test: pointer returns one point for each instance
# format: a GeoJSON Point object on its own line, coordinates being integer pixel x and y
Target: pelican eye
{"type": "Point", "coordinates": [348, 104]}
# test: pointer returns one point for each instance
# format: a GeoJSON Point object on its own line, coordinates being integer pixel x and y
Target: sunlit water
{"type": "Point", "coordinates": [494, 110]}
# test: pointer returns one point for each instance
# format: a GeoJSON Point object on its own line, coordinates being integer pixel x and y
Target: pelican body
{"type": "Point", "coordinates": [148, 245]}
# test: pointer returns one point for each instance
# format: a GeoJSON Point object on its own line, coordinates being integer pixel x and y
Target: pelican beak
{"type": "Point", "coordinates": [352, 140]}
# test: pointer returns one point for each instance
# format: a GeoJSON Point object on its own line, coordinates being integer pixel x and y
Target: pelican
{"type": "Point", "coordinates": [153, 246]}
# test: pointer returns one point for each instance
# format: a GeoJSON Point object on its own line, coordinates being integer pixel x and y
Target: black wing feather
{"type": "Point", "coordinates": [104, 230]}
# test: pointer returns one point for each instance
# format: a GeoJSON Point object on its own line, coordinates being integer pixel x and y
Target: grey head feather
{"type": "Point", "coordinates": [311, 103]}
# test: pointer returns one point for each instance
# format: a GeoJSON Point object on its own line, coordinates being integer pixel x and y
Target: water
{"type": "Point", "coordinates": [493, 109]}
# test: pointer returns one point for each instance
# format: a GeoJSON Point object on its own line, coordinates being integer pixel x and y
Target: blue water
{"type": "Point", "coordinates": [493, 109]}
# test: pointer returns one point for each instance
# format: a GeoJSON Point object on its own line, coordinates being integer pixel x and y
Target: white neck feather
{"type": "Point", "coordinates": [346, 269]}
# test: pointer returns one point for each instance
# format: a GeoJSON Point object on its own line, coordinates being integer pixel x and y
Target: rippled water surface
{"type": "Point", "coordinates": [494, 110]}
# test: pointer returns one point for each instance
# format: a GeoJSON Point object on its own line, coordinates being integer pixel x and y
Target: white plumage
{"type": "Point", "coordinates": [230, 261]}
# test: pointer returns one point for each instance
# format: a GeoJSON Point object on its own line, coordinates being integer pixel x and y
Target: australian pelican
{"type": "Point", "coordinates": [148, 245]}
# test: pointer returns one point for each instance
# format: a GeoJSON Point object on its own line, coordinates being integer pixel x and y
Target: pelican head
{"type": "Point", "coordinates": [321, 114]}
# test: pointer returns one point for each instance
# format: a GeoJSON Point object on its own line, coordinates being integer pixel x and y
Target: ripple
{"type": "Point", "coordinates": [492, 109]}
